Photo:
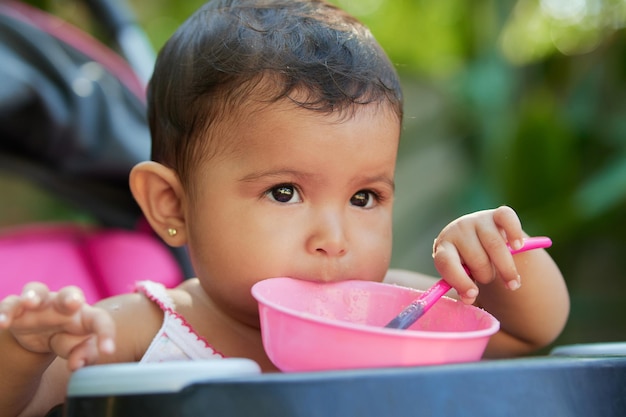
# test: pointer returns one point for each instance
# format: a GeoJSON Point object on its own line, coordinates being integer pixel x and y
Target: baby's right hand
{"type": "Point", "coordinates": [42, 321]}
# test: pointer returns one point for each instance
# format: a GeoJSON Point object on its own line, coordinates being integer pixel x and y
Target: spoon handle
{"type": "Point", "coordinates": [420, 306]}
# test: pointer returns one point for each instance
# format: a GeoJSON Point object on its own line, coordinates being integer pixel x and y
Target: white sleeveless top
{"type": "Point", "coordinates": [176, 340]}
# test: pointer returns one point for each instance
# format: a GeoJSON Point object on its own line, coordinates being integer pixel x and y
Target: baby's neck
{"type": "Point", "coordinates": [228, 335]}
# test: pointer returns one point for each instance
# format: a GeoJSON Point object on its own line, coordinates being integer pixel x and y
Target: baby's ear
{"type": "Point", "coordinates": [159, 193]}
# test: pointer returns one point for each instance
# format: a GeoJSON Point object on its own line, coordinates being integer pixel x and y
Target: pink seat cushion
{"type": "Point", "coordinates": [103, 262]}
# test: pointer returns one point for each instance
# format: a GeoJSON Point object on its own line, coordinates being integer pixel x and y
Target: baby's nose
{"type": "Point", "coordinates": [328, 236]}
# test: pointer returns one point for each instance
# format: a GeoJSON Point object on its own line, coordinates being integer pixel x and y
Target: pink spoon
{"type": "Point", "coordinates": [420, 306]}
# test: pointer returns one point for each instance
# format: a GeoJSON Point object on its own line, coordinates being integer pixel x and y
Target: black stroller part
{"type": "Point", "coordinates": [72, 118]}
{"type": "Point", "coordinates": [68, 124]}
{"type": "Point", "coordinates": [182, 257]}
{"type": "Point", "coordinates": [121, 25]}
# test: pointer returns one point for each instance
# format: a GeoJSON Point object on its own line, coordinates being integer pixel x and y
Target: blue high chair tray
{"type": "Point", "coordinates": [539, 386]}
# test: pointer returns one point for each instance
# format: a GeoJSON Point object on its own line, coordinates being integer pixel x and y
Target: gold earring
{"type": "Point", "coordinates": [172, 232]}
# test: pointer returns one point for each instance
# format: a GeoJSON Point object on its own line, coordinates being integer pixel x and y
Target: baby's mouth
{"type": "Point", "coordinates": [326, 272]}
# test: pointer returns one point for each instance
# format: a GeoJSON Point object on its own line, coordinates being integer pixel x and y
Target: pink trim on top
{"type": "Point", "coordinates": [79, 40]}
{"type": "Point", "coordinates": [170, 310]}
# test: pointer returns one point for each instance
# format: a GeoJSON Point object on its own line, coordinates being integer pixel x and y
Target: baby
{"type": "Point", "coordinates": [275, 127]}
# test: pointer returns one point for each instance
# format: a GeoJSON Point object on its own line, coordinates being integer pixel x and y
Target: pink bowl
{"type": "Point", "coordinates": [311, 326]}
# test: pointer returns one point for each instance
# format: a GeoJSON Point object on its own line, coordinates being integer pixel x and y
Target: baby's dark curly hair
{"type": "Point", "coordinates": [232, 51]}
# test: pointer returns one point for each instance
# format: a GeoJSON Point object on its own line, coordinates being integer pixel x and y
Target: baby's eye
{"type": "Point", "coordinates": [284, 193]}
{"type": "Point", "coordinates": [364, 199]}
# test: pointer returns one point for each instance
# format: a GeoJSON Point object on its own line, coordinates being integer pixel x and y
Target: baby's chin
{"type": "Point", "coordinates": [325, 278]}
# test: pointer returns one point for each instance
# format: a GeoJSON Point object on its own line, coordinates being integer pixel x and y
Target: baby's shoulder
{"type": "Point", "coordinates": [136, 316]}
{"type": "Point", "coordinates": [137, 319]}
{"type": "Point", "coordinates": [150, 301]}
{"type": "Point", "coordinates": [184, 294]}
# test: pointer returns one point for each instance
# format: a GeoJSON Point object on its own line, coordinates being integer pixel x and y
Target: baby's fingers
{"type": "Point", "coordinates": [498, 256]}
{"type": "Point", "coordinates": [92, 337]}
{"type": "Point", "coordinates": [510, 226]}
{"type": "Point", "coordinates": [448, 263]}
{"type": "Point", "coordinates": [34, 296]}
{"type": "Point", "coordinates": [85, 353]}
{"type": "Point", "coordinates": [78, 350]}
{"type": "Point", "coordinates": [93, 320]}
{"type": "Point", "coordinates": [8, 308]}
{"type": "Point", "coordinates": [100, 323]}
{"type": "Point", "coordinates": [69, 300]}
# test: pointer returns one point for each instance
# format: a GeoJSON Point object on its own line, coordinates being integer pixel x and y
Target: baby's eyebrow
{"type": "Point", "coordinates": [278, 173]}
{"type": "Point", "coordinates": [379, 178]}
{"type": "Point", "coordinates": [384, 179]}
{"type": "Point", "coordinates": [304, 176]}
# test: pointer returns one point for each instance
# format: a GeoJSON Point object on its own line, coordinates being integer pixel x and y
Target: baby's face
{"type": "Point", "coordinates": [302, 194]}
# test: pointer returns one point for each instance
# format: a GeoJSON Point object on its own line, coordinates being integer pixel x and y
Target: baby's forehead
{"type": "Point", "coordinates": [250, 117]}
{"type": "Point", "coordinates": [270, 95]}
{"type": "Point", "coordinates": [238, 117]}
{"type": "Point", "coordinates": [296, 139]}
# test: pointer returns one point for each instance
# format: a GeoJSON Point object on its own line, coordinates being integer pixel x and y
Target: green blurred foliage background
{"type": "Point", "coordinates": [517, 102]}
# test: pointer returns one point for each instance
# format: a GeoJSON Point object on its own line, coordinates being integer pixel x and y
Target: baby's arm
{"type": "Point", "coordinates": [36, 328]}
{"type": "Point", "coordinates": [525, 292]}
{"type": "Point", "coordinates": [532, 316]}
